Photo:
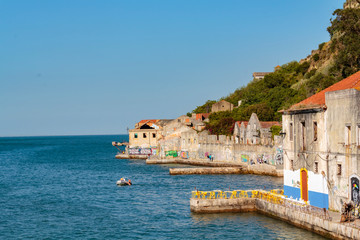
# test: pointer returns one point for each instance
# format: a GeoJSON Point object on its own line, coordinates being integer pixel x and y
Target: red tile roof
{"type": "Point", "coordinates": [318, 100]}
{"type": "Point", "coordinates": [269, 124]}
{"type": "Point", "coordinates": [239, 123]}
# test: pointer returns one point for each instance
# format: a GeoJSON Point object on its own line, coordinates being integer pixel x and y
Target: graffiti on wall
{"type": "Point", "coordinates": [139, 151]}
{"type": "Point", "coordinates": [171, 153]}
{"type": "Point", "coordinates": [279, 156]}
{"type": "Point", "coordinates": [355, 190]}
{"type": "Point", "coordinates": [244, 158]}
{"type": "Point", "coordinates": [184, 154]}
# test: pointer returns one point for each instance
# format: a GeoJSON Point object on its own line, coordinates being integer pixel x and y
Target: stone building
{"type": "Point", "coordinates": [145, 135]}
{"type": "Point", "coordinates": [260, 75]}
{"type": "Point", "coordinates": [240, 132]}
{"type": "Point", "coordinates": [321, 146]}
{"type": "Point", "coordinates": [222, 106]}
{"type": "Point", "coordinates": [254, 131]}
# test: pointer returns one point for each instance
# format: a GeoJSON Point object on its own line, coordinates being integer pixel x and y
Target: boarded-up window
{"type": "Point", "coordinates": [315, 131]}
{"type": "Point", "coordinates": [291, 130]}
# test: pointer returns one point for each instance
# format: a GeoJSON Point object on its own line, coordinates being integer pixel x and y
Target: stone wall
{"type": "Point", "coordinates": [325, 227]}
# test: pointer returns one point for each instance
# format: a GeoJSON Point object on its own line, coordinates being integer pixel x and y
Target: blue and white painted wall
{"type": "Point", "coordinates": [317, 190]}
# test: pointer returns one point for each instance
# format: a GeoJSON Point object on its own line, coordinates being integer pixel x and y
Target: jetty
{"type": "Point", "coordinates": [276, 205]}
{"type": "Point", "coordinates": [217, 167]}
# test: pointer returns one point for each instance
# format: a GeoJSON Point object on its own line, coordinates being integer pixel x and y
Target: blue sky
{"type": "Point", "coordinates": [99, 66]}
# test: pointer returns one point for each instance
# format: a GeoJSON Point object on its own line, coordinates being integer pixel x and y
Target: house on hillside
{"type": "Point", "coordinates": [260, 75]}
{"type": "Point", "coordinates": [222, 106]}
{"type": "Point", "coordinates": [322, 146]}
{"type": "Point", "coordinates": [204, 117]}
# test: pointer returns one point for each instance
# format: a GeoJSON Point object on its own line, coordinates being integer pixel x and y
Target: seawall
{"type": "Point", "coordinates": [311, 220]}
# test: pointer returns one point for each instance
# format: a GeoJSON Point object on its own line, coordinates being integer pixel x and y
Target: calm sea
{"type": "Point", "coordinates": [64, 188]}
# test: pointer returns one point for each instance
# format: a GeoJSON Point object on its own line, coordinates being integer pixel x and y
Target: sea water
{"type": "Point", "coordinates": [64, 187]}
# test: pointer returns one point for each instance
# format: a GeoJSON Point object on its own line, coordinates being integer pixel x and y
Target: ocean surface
{"type": "Point", "coordinates": [65, 188]}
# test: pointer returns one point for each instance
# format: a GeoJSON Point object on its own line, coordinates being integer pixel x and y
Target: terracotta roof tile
{"type": "Point", "coordinates": [318, 100]}
{"type": "Point", "coordinates": [269, 124]}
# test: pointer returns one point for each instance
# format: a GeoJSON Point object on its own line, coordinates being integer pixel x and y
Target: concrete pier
{"type": "Point", "coordinates": [127, 156]}
{"type": "Point", "coordinates": [258, 169]}
{"type": "Point", "coordinates": [208, 170]}
{"type": "Point", "coordinates": [303, 216]}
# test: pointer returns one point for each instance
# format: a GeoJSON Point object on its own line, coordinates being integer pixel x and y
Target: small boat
{"type": "Point", "coordinates": [124, 182]}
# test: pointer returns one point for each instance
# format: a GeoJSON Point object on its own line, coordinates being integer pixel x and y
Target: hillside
{"type": "Point", "coordinates": [295, 81]}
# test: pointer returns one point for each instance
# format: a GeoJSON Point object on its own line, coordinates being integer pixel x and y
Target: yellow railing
{"type": "Point", "coordinates": [274, 196]}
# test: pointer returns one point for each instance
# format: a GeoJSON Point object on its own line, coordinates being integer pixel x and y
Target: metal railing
{"type": "Point", "coordinates": [275, 196]}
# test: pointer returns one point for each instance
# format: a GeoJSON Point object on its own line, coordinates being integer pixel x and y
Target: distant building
{"type": "Point", "coordinates": [322, 146]}
{"type": "Point", "coordinates": [146, 133]}
{"type": "Point", "coordinates": [260, 75]}
{"type": "Point", "coordinates": [254, 131]}
{"type": "Point", "coordinates": [222, 106]}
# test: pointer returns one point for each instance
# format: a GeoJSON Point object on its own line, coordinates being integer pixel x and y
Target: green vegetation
{"type": "Point", "coordinates": [294, 81]}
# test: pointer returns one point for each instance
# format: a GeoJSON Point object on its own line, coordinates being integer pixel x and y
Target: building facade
{"type": "Point", "coordinates": [321, 146]}
{"type": "Point", "coordinates": [222, 106]}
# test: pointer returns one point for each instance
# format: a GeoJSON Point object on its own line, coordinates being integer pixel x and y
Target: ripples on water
{"type": "Point", "coordinates": [64, 187]}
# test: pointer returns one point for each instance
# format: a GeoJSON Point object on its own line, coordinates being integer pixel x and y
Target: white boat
{"type": "Point", "coordinates": [124, 182]}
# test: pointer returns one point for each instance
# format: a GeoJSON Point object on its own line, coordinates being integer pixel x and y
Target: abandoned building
{"type": "Point", "coordinates": [145, 135]}
{"type": "Point", "coordinates": [321, 146]}
{"type": "Point", "coordinates": [254, 131]}
{"type": "Point", "coordinates": [222, 106]}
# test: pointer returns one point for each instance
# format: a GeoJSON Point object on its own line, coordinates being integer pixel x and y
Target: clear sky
{"type": "Point", "coordinates": [72, 67]}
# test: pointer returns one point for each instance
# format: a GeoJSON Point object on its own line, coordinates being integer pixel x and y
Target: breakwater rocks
{"type": "Point", "coordinates": [217, 167]}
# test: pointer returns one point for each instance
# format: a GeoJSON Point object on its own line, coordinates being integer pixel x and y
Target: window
{"type": "Point", "coordinates": [144, 135]}
{"type": "Point", "coordinates": [195, 141]}
{"type": "Point", "coordinates": [358, 135]}
{"type": "Point", "coordinates": [154, 135]}
{"type": "Point", "coordinates": [135, 135]}
{"type": "Point", "coordinates": [348, 135]}
{"type": "Point", "coordinates": [189, 140]}
{"type": "Point", "coordinates": [316, 170]}
{"type": "Point", "coordinates": [291, 164]}
{"type": "Point", "coordinates": [303, 136]}
{"type": "Point", "coordinates": [315, 131]}
{"type": "Point", "coordinates": [291, 130]}
{"type": "Point", "coordinates": [339, 169]}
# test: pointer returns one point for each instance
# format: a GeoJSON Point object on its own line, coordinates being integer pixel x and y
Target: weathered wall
{"type": "Point", "coordinates": [222, 106]}
{"type": "Point", "coordinates": [300, 219]}
{"type": "Point", "coordinates": [222, 205]}
{"type": "Point", "coordinates": [343, 122]}
{"type": "Point", "coordinates": [143, 141]}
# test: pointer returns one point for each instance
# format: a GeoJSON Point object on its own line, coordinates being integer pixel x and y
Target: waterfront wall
{"type": "Point", "coordinates": [309, 221]}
